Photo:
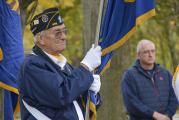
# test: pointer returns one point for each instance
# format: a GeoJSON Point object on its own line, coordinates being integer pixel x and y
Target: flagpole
{"type": "Point", "coordinates": [99, 22]}
{"type": "Point", "coordinates": [95, 44]}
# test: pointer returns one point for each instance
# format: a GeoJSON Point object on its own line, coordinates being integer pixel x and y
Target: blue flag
{"type": "Point", "coordinates": [11, 54]}
{"type": "Point", "coordinates": [119, 23]}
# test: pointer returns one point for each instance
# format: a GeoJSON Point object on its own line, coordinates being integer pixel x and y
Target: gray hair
{"type": "Point", "coordinates": [36, 37]}
{"type": "Point", "coordinates": [142, 43]}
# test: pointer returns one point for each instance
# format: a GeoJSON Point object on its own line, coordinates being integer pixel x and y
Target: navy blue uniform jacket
{"type": "Point", "coordinates": [43, 85]}
{"type": "Point", "coordinates": [143, 93]}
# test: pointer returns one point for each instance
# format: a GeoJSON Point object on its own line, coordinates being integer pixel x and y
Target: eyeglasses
{"type": "Point", "coordinates": [58, 34]}
{"type": "Point", "coordinates": [148, 51]}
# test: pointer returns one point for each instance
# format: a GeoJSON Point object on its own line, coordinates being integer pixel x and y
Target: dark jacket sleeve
{"type": "Point", "coordinates": [173, 102]}
{"type": "Point", "coordinates": [49, 87]}
{"type": "Point", "coordinates": [133, 104]}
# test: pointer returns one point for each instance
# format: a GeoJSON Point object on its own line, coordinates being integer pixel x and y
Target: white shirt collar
{"type": "Point", "coordinates": [56, 61]}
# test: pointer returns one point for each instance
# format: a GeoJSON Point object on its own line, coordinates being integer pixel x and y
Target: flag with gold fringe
{"type": "Point", "coordinates": [119, 23]}
{"type": "Point", "coordinates": [11, 55]}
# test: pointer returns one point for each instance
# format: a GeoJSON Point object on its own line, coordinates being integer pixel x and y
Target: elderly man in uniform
{"type": "Point", "coordinates": [147, 87]}
{"type": "Point", "coordinates": [49, 87]}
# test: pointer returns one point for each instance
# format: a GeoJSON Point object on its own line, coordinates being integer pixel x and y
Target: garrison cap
{"type": "Point", "coordinates": [47, 19]}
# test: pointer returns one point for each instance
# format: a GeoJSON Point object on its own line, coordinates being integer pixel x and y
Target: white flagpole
{"type": "Point", "coordinates": [95, 44]}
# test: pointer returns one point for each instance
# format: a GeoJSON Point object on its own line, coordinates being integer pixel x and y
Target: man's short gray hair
{"type": "Point", "coordinates": [141, 44]}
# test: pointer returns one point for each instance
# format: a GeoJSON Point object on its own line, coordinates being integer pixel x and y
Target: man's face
{"type": "Point", "coordinates": [147, 54]}
{"type": "Point", "coordinates": [55, 39]}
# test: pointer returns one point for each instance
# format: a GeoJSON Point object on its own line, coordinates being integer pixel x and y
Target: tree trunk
{"type": "Point", "coordinates": [112, 104]}
{"type": "Point", "coordinates": [90, 10]}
